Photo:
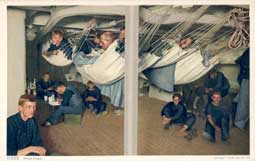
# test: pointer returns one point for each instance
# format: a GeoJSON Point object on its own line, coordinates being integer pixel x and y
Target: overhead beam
{"type": "Point", "coordinates": [175, 17]}
{"type": "Point", "coordinates": [241, 6]}
{"type": "Point", "coordinates": [41, 9]}
{"type": "Point", "coordinates": [58, 15]}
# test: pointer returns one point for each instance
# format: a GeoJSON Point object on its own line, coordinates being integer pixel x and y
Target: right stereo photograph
{"type": "Point", "coordinates": [194, 80]}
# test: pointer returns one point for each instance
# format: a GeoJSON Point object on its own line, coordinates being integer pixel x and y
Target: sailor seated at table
{"type": "Point", "coordinates": [58, 43]}
{"type": "Point", "coordinates": [23, 135]}
{"type": "Point", "coordinates": [70, 104]}
{"type": "Point", "coordinates": [44, 87]}
{"type": "Point", "coordinates": [92, 99]}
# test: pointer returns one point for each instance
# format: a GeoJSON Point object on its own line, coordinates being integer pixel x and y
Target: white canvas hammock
{"type": "Point", "coordinates": [165, 48]}
{"type": "Point", "coordinates": [109, 67]}
{"type": "Point", "coordinates": [191, 68]}
{"type": "Point", "coordinates": [58, 60]}
{"type": "Point", "coordinates": [146, 61]}
{"type": "Point", "coordinates": [173, 53]}
{"type": "Point", "coordinates": [170, 56]}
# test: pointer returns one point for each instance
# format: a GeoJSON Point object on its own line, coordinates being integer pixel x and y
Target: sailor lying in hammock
{"type": "Point", "coordinates": [107, 69]}
{"type": "Point", "coordinates": [185, 43]}
{"type": "Point", "coordinates": [59, 43]}
{"type": "Point", "coordinates": [89, 55]}
{"type": "Point", "coordinates": [169, 52]}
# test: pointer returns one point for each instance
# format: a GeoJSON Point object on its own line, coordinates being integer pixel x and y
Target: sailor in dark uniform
{"type": "Point", "coordinates": [92, 98]}
{"type": "Point", "coordinates": [71, 103]}
{"type": "Point", "coordinates": [44, 87]}
{"type": "Point", "coordinates": [241, 110]}
{"type": "Point", "coordinates": [23, 136]}
{"type": "Point", "coordinates": [214, 81]}
{"type": "Point", "coordinates": [217, 119]}
{"type": "Point", "coordinates": [59, 43]}
{"type": "Point", "coordinates": [175, 112]}
{"type": "Point", "coordinates": [121, 41]}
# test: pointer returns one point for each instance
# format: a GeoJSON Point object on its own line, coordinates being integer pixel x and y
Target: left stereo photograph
{"type": "Point", "coordinates": [66, 71]}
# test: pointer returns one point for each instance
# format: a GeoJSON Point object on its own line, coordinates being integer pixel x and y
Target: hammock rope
{"type": "Point", "coordinates": [149, 31]}
{"type": "Point", "coordinates": [197, 30]}
{"type": "Point", "coordinates": [198, 46]}
{"type": "Point", "coordinates": [237, 18]}
{"type": "Point", "coordinates": [176, 32]}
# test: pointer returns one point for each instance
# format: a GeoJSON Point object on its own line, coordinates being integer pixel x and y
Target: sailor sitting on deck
{"type": "Point", "coordinates": [70, 104]}
{"type": "Point", "coordinates": [92, 99]}
{"type": "Point", "coordinates": [175, 112]}
{"type": "Point", "coordinates": [217, 119]}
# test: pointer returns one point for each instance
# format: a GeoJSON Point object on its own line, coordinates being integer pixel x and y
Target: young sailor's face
{"type": "Point", "coordinates": [105, 41]}
{"type": "Point", "coordinates": [56, 39]}
{"type": "Point", "coordinates": [176, 100]}
{"type": "Point", "coordinates": [27, 110]}
{"type": "Point", "coordinates": [213, 75]}
{"type": "Point", "coordinates": [185, 43]}
{"type": "Point", "coordinates": [60, 90]}
{"type": "Point", "coordinates": [46, 77]}
{"type": "Point", "coordinates": [216, 98]}
{"type": "Point", "coordinates": [91, 85]}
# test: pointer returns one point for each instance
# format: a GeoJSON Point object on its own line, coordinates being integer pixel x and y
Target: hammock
{"type": "Point", "coordinates": [63, 57]}
{"type": "Point", "coordinates": [57, 60]}
{"type": "Point", "coordinates": [191, 68]}
{"type": "Point", "coordinates": [108, 68]}
{"type": "Point", "coordinates": [146, 61]}
{"type": "Point", "coordinates": [204, 35]}
{"type": "Point", "coordinates": [164, 49]}
{"type": "Point", "coordinates": [170, 56]}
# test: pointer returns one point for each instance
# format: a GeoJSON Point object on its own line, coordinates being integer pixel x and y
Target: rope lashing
{"type": "Point", "coordinates": [238, 19]}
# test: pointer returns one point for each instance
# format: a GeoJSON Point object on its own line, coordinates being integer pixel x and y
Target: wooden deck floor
{"type": "Point", "coordinates": [154, 140]}
{"type": "Point", "coordinates": [96, 136]}
{"type": "Point", "coordinates": [104, 135]}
